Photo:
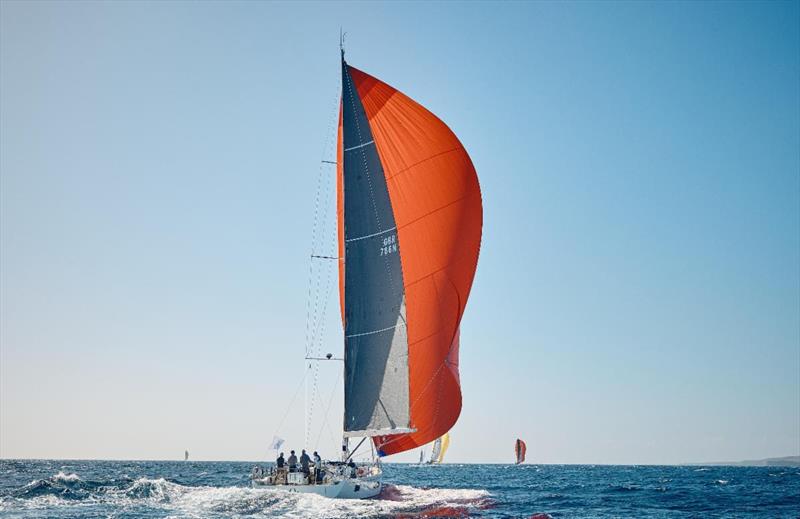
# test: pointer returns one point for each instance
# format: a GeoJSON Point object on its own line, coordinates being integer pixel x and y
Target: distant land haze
{"type": "Point", "coordinates": [786, 461]}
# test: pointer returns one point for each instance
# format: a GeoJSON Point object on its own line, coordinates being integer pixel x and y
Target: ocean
{"type": "Point", "coordinates": [161, 489]}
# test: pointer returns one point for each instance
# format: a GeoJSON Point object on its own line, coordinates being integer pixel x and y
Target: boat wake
{"type": "Point", "coordinates": [159, 496]}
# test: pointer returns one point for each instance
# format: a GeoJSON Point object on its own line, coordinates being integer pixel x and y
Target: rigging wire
{"type": "Point", "coordinates": [289, 407]}
{"type": "Point", "coordinates": [316, 311]}
{"type": "Point", "coordinates": [320, 335]}
{"type": "Point", "coordinates": [327, 411]}
{"type": "Point", "coordinates": [315, 235]}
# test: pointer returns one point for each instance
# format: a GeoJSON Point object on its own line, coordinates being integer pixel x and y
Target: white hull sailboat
{"type": "Point", "coordinates": [409, 221]}
{"type": "Point", "coordinates": [332, 479]}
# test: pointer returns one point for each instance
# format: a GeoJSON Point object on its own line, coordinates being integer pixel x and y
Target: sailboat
{"type": "Point", "coordinates": [439, 448]}
{"type": "Point", "coordinates": [409, 220]}
{"type": "Point", "coordinates": [519, 451]}
{"type": "Point", "coordinates": [185, 455]}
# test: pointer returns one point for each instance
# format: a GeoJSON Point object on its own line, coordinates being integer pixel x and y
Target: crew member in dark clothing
{"type": "Point", "coordinates": [280, 462]}
{"type": "Point", "coordinates": [318, 467]}
{"type": "Point", "coordinates": [304, 461]}
{"type": "Point", "coordinates": [292, 461]}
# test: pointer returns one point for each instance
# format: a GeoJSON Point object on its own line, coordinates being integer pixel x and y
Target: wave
{"type": "Point", "coordinates": [623, 487]}
{"type": "Point", "coordinates": [67, 486]}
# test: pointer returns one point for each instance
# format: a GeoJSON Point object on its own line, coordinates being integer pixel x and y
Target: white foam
{"type": "Point", "coordinates": [204, 501]}
{"type": "Point", "coordinates": [176, 500]}
{"type": "Point", "coordinates": [70, 478]}
{"type": "Point", "coordinates": [403, 499]}
{"type": "Point", "coordinates": [46, 501]}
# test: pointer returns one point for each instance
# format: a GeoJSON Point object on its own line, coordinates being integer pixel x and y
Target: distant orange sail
{"type": "Point", "coordinates": [520, 449]}
{"type": "Point", "coordinates": [402, 319]}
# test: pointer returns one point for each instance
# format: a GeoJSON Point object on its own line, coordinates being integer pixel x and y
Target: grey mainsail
{"type": "Point", "coordinates": [376, 341]}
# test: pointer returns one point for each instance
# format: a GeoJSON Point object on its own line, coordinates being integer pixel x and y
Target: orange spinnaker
{"type": "Point", "coordinates": [436, 201]}
{"type": "Point", "coordinates": [519, 450]}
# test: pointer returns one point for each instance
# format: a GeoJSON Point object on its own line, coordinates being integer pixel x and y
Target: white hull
{"type": "Point", "coordinates": [332, 489]}
{"type": "Point", "coordinates": [359, 489]}
{"type": "Point", "coordinates": [341, 488]}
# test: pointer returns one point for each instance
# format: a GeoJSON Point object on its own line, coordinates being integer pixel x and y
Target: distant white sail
{"type": "Point", "coordinates": [437, 446]}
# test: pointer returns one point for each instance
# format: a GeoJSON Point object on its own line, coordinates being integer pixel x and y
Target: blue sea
{"type": "Point", "coordinates": [160, 489]}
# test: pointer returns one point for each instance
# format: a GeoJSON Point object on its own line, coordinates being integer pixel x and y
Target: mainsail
{"type": "Point", "coordinates": [409, 214]}
{"type": "Point", "coordinates": [376, 342]}
{"type": "Point", "coordinates": [519, 450]}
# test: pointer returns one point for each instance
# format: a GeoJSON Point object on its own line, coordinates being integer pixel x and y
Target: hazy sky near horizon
{"type": "Point", "coordinates": [637, 298]}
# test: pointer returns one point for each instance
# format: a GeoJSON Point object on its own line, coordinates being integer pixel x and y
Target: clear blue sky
{"type": "Point", "coordinates": [637, 298]}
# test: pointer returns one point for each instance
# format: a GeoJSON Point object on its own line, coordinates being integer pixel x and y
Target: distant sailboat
{"type": "Point", "coordinates": [185, 455]}
{"type": "Point", "coordinates": [421, 456]}
{"type": "Point", "coordinates": [439, 448]}
{"type": "Point", "coordinates": [519, 450]}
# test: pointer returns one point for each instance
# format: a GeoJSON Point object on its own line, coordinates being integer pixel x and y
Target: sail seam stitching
{"type": "Point", "coordinates": [359, 146]}
{"type": "Point", "coordinates": [375, 331]}
{"type": "Point", "coordinates": [371, 235]}
{"type": "Point", "coordinates": [414, 165]}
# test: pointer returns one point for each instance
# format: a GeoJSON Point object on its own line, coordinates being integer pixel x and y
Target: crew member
{"type": "Point", "coordinates": [318, 467]}
{"type": "Point", "coordinates": [304, 461]}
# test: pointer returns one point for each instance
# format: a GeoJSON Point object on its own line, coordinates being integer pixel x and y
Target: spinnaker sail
{"type": "Point", "coordinates": [409, 229]}
{"type": "Point", "coordinates": [519, 450]}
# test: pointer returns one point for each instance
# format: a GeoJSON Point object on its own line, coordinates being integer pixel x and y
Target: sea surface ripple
{"type": "Point", "coordinates": [166, 489]}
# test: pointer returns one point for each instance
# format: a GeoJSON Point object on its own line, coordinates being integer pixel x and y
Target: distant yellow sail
{"type": "Point", "coordinates": [445, 444]}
